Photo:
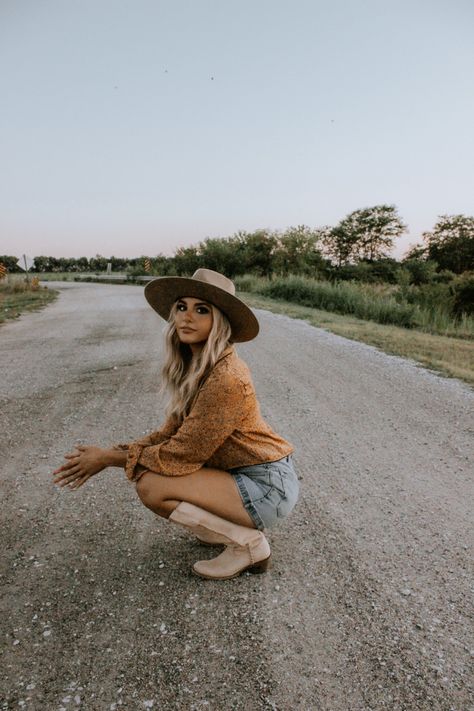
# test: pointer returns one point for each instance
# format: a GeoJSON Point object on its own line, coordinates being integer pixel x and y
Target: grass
{"type": "Point", "coordinates": [17, 296]}
{"type": "Point", "coordinates": [61, 276]}
{"type": "Point", "coordinates": [453, 357]}
{"type": "Point", "coordinates": [381, 303]}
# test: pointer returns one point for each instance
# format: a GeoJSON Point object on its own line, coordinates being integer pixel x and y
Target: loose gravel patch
{"type": "Point", "coordinates": [369, 603]}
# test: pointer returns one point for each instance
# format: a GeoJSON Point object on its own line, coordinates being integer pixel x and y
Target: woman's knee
{"type": "Point", "coordinates": [149, 491]}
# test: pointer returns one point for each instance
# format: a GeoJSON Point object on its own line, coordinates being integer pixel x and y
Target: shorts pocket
{"type": "Point", "coordinates": [290, 488]}
{"type": "Point", "coordinates": [286, 505]}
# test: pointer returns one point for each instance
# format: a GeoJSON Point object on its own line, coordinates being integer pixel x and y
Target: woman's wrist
{"type": "Point", "coordinates": [114, 457]}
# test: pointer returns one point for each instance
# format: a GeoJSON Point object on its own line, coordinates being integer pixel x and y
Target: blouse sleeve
{"type": "Point", "coordinates": [168, 429]}
{"type": "Point", "coordinates": [216, 413]}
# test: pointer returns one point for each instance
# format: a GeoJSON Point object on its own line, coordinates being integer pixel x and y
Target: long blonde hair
{"type": "Point", "coordinates": [182, 374]}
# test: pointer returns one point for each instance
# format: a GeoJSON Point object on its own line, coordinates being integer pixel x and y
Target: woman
{"type": "Point", "coordinates": [215, 467]}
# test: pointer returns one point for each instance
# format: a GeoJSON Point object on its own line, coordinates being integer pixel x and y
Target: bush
{"type": "Point", "coordinates": [445, 276]}
{"type": "Point", "coordinates": [428, 307]}
{"type": "Point", "coordinates": [248, 282]}
{"type": "Point", "coordinates": [342, 298]}
{"type": "Point", "coordinates": [366, 271]}
{"type": "Point", "coordinates": [421, 271]}
{"type": "Point", "coordinates": [463, 296]}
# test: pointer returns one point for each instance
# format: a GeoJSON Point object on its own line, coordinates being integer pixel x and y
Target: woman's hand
{"type": "Point", "coordinates": [80, 466]}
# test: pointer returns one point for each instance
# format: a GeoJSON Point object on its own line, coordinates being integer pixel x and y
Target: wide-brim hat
{"type": "Point", "coordinates": [210, 286]}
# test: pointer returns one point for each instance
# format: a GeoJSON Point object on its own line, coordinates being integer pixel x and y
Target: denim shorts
{"type": "Point", "coordinates": [269, 491]}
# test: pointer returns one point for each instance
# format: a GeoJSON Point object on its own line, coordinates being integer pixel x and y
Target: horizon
{"type": "Point", "coordinates": [146, 128]}
{"type": "Point", "coordinates": [391, 253]}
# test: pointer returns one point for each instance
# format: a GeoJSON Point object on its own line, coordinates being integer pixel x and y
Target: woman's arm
{"type": "Point", "coordinates": [85, 462]}
{"type": "Point", "coordinates": [88, 461]}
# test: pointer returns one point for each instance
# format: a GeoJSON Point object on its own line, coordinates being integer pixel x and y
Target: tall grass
{"type": "Point", "coordinates": [379, 303]}
{"type": "Point", "coordinates": [16, 284]}
{"type": "Point", "coordinates": [18, 295]}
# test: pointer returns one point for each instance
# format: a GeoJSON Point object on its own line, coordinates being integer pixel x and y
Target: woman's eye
{"type": "Point", "coordinates": [203, 310]}
{"type": "Point", "coordinates": [181, 307]}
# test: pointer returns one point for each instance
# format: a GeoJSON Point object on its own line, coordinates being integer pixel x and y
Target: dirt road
{"type": "Point", "coordinates": [368, 605]}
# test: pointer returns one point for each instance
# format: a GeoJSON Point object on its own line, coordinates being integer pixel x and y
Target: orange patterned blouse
{"type": "Point", "coordinates": [224, 429]}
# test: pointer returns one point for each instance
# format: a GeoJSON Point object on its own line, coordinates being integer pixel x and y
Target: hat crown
{"type": "Point", "coordinates": [208, 276]}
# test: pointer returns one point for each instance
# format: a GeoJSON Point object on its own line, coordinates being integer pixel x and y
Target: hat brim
{"type": "Point", "coordinates": [163, 292]}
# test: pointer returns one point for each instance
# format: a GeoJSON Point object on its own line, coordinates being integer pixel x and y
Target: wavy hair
{"type": "Point", "coordinates": [182, 374]}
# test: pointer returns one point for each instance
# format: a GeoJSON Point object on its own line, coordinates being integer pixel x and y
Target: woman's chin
{"type": "Point", "coordinates": [190, 340]}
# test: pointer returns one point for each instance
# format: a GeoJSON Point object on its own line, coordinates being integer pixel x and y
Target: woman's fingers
{"type": "Point", "coordinates": [68, 475]}
{"type": "Point", "coordinates": [73, 459]}
{"type": "Point", "coordinates": [65, 467]}
{"type": "Point", "coordinates": [65, 482]}
{"type": "Point", "coordinates": [79, 482]}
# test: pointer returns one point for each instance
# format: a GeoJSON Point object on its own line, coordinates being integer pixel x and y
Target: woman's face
{"type": "Point", "coordinates": [193, 321]}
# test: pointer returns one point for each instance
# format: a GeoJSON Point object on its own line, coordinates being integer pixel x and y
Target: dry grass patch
{"type": "Point", "coordinates": [17, 296]}
{"type": "Point", "coordinates": [452, 357]}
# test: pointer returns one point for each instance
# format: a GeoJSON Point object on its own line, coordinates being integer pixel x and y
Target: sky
{"type": "Point", "coordinates": [134, 127]}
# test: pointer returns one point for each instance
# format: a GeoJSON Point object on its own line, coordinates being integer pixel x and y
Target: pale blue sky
{"type": "Point", "coordinates": [134, 127]}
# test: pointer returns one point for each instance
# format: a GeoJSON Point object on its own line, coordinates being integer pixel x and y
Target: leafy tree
{"type": "Point", "coordinates": [186, 260]}
{"type": "Point", "coordinates": [451, 243]}
{"type": "Point", "coordinates": [257, 250]}
{"type": "Point", "coordinates": [47, 264]}
{"type": "Point", "coordinates": [368, 233]}
{"type": "Point", "coordinates": [297, 252]}
{"type": "Point", "coordinates": [98, 263]}
{"type": "Point", "coordinates": [338, 244]}
{"type": "Point", "coordinates": [416, 251]}
{"type": "Point", "coordinates": [161, 265]}
{"type": "Point", "coordinates": [42, 264]}
{"type": "Point", "coordinates": [67, 264]}
{"type": "Point", "coordinates": [11, 263]}
{"type": "Point", "coordinates": [119, 264]}
{"type": "Point", "coordinates": [82, 264]}
{"type": "Point", "coordinates": [222, 254]}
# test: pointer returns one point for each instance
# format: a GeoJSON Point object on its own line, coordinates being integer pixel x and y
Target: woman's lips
{"type": "Point", "coordinates": [186, 329]}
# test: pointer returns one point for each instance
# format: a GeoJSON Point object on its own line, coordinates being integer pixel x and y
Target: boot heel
{"type": "Point", "coordinates": [260, 567]}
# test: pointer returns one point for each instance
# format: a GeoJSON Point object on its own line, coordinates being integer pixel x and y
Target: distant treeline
{"type": "Point", "coordinates": [357, 248]}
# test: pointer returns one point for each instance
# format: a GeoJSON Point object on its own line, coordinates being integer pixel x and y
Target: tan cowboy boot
{"type": "Point", "coordinates": [247, 548]}
{"type": "Point", "coordinates": [185, 515]}
{"type": "Point", "coordinates": [210, 539]}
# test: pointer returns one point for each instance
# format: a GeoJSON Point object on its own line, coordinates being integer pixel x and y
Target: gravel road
{"type": "Point", "coordinates": [369, 603]}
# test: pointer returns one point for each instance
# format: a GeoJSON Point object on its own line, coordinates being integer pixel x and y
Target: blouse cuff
{"type": "Point", "coordinates": [132, 469]}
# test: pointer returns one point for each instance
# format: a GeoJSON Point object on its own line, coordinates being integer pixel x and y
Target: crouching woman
{"type": "Point", "coordinates": [215, 467]}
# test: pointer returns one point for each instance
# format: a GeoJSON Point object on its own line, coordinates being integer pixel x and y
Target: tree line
{"type": "Point", "coordinates": [358, 247]}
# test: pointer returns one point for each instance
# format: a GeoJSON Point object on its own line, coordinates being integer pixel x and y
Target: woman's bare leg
{"type": "Point", "coordinates": [210, 489]}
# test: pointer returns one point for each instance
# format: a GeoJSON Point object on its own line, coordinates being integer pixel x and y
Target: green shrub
{"type": "Point", "coordinates": [463, 296]}
{"type": "Point", "coordinates": [248, 282]}
{"type": "Point", "coordinates": [428, 307]}
{"type": "Point", "coordinates": [341, 298]}
{"type": "Point", "coordinates": [445, 276]}
{"type": "Point", "coordinates": [421, 271]}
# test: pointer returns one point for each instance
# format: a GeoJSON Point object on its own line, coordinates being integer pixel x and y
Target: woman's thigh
{"type": "Point", "coordinates": [210, 489]}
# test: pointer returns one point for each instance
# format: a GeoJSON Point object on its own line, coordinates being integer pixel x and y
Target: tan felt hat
{"type": "Point", "coordinates": [209, 286]}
